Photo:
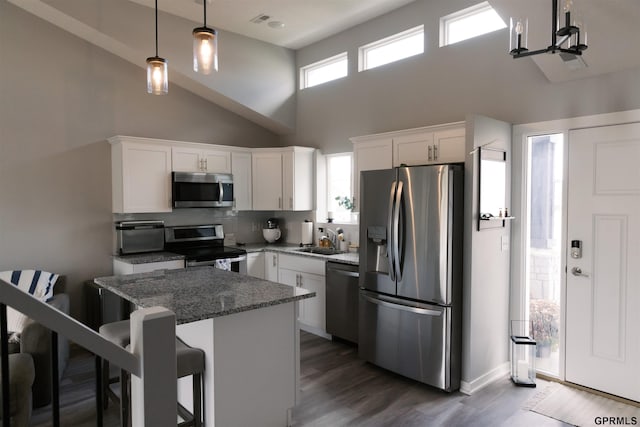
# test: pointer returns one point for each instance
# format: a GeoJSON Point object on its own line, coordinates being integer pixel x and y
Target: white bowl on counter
{"type": "Point", "coordinates": [271, 234]}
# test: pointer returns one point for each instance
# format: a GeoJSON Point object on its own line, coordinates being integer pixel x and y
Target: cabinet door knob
{"type": "Point", "coordinates": [435, 152]}
{"type": "Point", "coordinates": [206, 164]}
{"type": "Point", "coordinates": [429, 157]}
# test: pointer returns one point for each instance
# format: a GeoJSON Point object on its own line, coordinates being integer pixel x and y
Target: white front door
{"type": "Point", "coordinates": [603, 286]}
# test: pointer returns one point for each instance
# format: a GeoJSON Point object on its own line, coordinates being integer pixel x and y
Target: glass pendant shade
{"type": "Point", "coordinates": [157, 76]}
{"type": "Point", "coordinates": [205, 50]}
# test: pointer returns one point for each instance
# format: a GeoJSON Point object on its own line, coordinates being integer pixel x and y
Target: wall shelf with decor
{"type": "Point", "coordinates": [492, 189]}
{"type": "Point", "coordinates": [497, 218]}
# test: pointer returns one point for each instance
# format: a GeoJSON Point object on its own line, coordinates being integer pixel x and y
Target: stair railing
{"type": "Point", "coordinates": [151, 361]}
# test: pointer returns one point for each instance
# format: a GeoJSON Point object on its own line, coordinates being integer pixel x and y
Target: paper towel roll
{"type": "Point", "coordinates": [306, 233]}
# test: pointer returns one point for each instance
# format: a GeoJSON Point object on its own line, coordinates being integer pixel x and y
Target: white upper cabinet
{"type": "Point", "coordinates": [241, 170]}
{"type": "Point", "coordinates": [283, 179]}
{"type": "Point", "coordinates": [370, 154]}
{"type": "Point", "coordinates": [449, 144]}
{"type": "Point", "coordinates": [420, 146]}
{"type": "Point", "coordinates": [414, 149]}
{"type": "Point", "coordinates": [141, 175]}
{"type": "Point", "coordinates": [297, 179]}
{"type": "Point", "coordinates": [270, 179]}
{"type": "Point", "coordinates": [267, 180]}
{"type": "Point", "coordinates": [200, 159]}
{"type": "Point", "coordinates": [424, 147]}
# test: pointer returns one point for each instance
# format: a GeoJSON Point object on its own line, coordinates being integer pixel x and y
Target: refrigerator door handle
{"type": "Point", "coordinates": [410, 309]}
{"type": "Point", "coordinates": [390, 237]}
{"type": "Point", "coordinates": [396, 231]}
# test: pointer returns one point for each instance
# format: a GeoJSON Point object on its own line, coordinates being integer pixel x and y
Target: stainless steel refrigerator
{"type": "Point", "coordinates": [411, 233]}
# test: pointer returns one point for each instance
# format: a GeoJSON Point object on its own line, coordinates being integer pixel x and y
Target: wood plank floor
{"type": "Point", "coordinates": [337, 389]}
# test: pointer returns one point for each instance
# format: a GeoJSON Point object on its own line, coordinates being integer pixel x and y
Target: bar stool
{"type": "Point", "coordinates": [118, 333]}
{"type": "Point", "coordinates": [189, 362]}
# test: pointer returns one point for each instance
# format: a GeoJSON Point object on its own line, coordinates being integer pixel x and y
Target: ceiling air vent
{"type": "Point", "coordinates": [260, 18]}
{"type": "Point", "coordinates": [573, 62]}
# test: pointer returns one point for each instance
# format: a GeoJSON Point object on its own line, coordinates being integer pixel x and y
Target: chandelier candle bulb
{"type": "Point", "coordinates": [519, 28]}
{"type": "Point", "coordinates": [563, 30]}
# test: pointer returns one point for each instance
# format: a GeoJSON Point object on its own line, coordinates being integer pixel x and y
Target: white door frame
{"type": "Point", "coordinates": [519, 202]}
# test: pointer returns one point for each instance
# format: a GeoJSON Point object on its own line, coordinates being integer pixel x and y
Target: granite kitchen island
{"type": "Point", "coordinates": [248, 329]}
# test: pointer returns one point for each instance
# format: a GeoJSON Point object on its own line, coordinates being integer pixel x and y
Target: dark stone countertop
{"type": "Point", "coordinates": [149, 257]}
{"type": "Point", "coordinates": [200, 293]}
{"type": "Point", "coordinates": [291, 249]}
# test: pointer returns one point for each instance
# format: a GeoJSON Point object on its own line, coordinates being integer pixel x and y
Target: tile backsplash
{"type": "Point", "coordinates": [245, 226]}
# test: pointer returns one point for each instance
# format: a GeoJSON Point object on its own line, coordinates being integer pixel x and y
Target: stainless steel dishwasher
{"type": "Point", "coordinates": [342, 300]}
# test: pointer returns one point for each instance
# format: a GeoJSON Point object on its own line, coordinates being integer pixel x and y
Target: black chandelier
{"type": "Point", "coordinates": [569, 33]}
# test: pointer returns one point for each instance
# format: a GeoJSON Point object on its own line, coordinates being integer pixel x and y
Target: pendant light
{"type": "Point", "coordinates": [157, 74]}
{"type": "Point", "coordinates": [565, 28]}
{"type": "Point", "coordinates": [205, 47]}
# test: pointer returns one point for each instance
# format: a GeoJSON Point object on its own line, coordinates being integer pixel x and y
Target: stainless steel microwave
{"type": "Point", "coordinates": [202, 190]}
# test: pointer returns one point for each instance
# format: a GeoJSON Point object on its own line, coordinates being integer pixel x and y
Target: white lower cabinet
{"type": "Point", "coordinates": [255, 264]}
{"type": "Point", "coordinates": [309, 274]}
{"type": "Point", "coordinates": [271, 266]}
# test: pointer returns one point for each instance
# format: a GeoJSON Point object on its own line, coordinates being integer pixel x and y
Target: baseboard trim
{"type": "Point", "coordinates": [315, 331]}
{"type": "Point", "coordinates": [470, 387]}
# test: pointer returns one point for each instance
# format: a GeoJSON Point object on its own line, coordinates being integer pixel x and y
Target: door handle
{"type": "Point", "coordinates": [396, 231]}
{"type": "Point", "coordinates": [414, 310]}
{"type": "Point", "coordinates": [577, 271]}
{"type": "Point", "coordinates": [390, 237]}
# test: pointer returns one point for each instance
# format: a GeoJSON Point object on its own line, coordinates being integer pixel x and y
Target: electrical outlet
{"type": "Point", "coordinates": [254, 226]}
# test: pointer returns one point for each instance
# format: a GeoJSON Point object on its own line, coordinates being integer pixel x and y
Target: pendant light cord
{"type": "Point", "coordinates": [157, 28]}
{"type": "Point", "coordinates": [205, 12]}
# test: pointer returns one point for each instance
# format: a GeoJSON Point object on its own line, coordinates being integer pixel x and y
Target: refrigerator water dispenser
{"type": "Point", "coordinates": [377, 236]}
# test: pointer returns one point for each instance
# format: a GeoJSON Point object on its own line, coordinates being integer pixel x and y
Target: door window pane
{"type": "Point", "coordinates": [544, 248]}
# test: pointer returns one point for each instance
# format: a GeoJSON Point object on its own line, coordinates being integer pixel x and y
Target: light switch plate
{"type": "Point", "coordinates": [504, 243]}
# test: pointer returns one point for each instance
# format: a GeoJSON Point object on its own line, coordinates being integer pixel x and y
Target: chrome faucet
{"type": "Point", "coordinates": [333, 239]}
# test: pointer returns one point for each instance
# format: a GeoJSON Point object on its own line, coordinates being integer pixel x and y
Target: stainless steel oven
{"type": "Point", "coordinates": [201, 190]}
{"type": "Point", "coordinates": [204, 245]}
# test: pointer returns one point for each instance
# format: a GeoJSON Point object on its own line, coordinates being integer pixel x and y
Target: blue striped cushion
{"type": "Point", "coordinates": [34, 282]}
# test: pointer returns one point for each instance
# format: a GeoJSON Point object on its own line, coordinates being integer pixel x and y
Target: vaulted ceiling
{"type": "Point", "coordinates": [115, 25]}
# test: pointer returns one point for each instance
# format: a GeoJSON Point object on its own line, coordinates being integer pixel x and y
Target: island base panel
{"type": "Point", "coordinates": [251, 368]}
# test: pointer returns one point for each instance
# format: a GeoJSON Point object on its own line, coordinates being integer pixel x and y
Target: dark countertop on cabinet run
{"type": "Point", "coordinates": [149, 257]}
{"type": "Point", "coordinates": [291, 249]}
{"type": "Point", "coordinates": [200, 293]}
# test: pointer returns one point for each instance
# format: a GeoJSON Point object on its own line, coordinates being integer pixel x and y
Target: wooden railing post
{"type": "Point", "coordinates": [154, 393]}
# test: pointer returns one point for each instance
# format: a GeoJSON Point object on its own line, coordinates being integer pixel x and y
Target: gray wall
{"type": "Point", "coordinates": [60, 98]}
{"type": "Point", "coordinates": [485, 320]}
{"type": "Point", "coordinates": [257, 75]}
{"type": "Point", "coordinates": [442, 85]}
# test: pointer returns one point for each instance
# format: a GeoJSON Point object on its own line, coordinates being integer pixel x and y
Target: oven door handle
{"type": "Point", "coordinates": [213, 262]}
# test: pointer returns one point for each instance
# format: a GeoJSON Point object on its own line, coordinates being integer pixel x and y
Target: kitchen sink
{"type": "Point", "coordinates": [320, 251]}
